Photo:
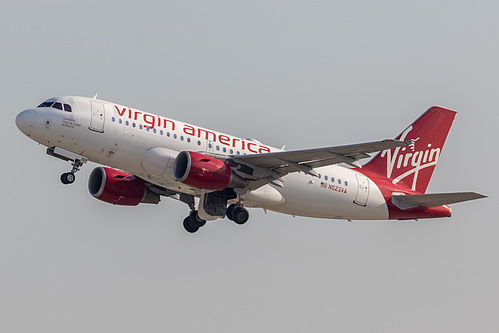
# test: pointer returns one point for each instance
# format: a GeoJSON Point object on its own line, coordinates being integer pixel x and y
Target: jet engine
{"type": "Point", "coordinates": [118, 188]}
{"type": "Point", "coordinates": [205, 172]}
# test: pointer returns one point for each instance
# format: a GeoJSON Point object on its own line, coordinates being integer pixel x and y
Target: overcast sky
{"type": "Point", "coordinates": [301, 73]}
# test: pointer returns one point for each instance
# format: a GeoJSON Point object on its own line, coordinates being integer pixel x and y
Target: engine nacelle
{"type": "Point", "coordinates": [198, 170]}
{"type": "Point", "coordinates": [118, 188]}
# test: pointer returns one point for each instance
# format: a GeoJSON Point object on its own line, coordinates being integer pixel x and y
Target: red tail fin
{"type": "Point", "coordinates": [414, 165]}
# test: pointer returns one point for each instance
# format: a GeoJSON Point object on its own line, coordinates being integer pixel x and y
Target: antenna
{"type": "Point", "coordinates": [95, 96]}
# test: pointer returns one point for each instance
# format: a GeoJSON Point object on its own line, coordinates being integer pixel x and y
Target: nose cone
{"type": "Point", "coordinates": [26, 120]}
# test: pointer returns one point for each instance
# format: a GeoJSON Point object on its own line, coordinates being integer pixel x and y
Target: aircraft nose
{"type": "Point", "coordinates": [26, 120]}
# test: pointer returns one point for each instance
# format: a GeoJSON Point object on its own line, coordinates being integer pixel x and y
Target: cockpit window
{"type": "Point", "coordinates": [45, 104]}
{"type": "Point", "coordinates": [56, 105]}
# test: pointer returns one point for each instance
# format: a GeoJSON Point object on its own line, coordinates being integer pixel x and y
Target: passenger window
{"type": "Point", "coordinates": [67, 107]}
{"type": "Point", "coordinates": [325, 177]}
{"type": "Point", "coordinates": [346, 183]}
{"type": "Point", "coordinates": [58, 106]}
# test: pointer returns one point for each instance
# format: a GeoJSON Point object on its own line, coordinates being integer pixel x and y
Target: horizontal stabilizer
{"type": "Point", "coordinates": [409, 201]}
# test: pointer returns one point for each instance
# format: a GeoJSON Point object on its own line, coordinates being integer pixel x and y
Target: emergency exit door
{"type": "Point", "coordinates": [97, 117]}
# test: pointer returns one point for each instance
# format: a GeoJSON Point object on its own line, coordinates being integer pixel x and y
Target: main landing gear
{"type": "Point", "coordinates": [192, 223]}
{"type": "Point", "coordinates": [237, 213]}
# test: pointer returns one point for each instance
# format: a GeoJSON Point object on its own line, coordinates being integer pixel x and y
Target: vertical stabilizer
{"type": "Point", "coordinates": [414, 165]}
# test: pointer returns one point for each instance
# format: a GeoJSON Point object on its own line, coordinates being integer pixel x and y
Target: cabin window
{"type": "Point", "coordinates": [120, 121]}
{"type": "Point", "coordinates": [325, 177]}
{"type": "Point", "coordinates": [127, 123]}
{"type": "Point", "coordinates": [188, 139]}
{"type": "Point", "coordinates": [346, 183]}
{"type": "Point", "coordinates": [199, 143]}
{"type": "Point", "coordinates": [113, 119]}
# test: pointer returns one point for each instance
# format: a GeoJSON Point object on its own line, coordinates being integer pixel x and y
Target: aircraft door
{"type": "Point", "coordinates": [97, 117]}
{"type": "Point", "coordinates": [362, 190]}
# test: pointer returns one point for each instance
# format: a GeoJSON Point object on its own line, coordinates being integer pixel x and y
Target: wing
{"type": "Point", "coordinates": [268, 167]}
{"type": "Point", "coordinates": [432, 200]}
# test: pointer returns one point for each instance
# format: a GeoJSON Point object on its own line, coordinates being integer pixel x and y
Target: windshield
{"type": "Point", "coordinates": [57, 105]}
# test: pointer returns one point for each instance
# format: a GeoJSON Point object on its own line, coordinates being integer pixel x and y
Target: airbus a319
{"type": "Point", "coordinates": [148, 156]}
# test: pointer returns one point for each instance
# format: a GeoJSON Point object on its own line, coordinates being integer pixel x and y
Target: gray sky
{"type": "Point", "coordinates": [305, 74]}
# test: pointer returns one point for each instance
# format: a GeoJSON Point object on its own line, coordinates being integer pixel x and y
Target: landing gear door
{"type": "Point", "coordinates": [97, 117]}
{"type": "Point", "coordinates": [362, 190]}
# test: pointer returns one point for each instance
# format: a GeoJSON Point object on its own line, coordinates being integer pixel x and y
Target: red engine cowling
{"type": "Point", "coordinates": [118, 188]}
{"type": "Point", "coordinates": [198, 170]}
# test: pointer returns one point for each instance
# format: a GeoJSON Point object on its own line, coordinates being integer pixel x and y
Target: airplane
{"type": "Point", "coordinates": [149, 156]}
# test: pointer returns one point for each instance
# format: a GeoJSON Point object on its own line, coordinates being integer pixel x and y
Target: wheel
{"type": "Point", "coordinates": [196, 219]}
{"type": "Point", "coordinates": [189, 226]}
{"type": "Point", "coordinates": [230, 212]}
{"type": "Point", "coordinates": [68, 178]}
{"type": "Point", "coordinates": [240, 215]}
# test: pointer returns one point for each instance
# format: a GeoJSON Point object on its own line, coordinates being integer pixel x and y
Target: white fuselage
{"type": "Point", "coordinates": [146, 145]}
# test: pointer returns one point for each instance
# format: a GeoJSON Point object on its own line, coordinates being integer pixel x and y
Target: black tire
{"type": "Point", "coordinates": [67, 178]}
{"type": "Point", "coordinates": [189, 226]}
{"type": "Point", "coordinates": [230, 212]}
{"type": "Point", "coordinates": [196, 220]}
{"type": "Point", "coordinates": [240, 215]}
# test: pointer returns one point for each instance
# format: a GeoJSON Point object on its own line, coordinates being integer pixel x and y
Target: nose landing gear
{"type": "Point", "coordinates": [69, 177]}
{"type": "Point", "coordinates": [77, 162]}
